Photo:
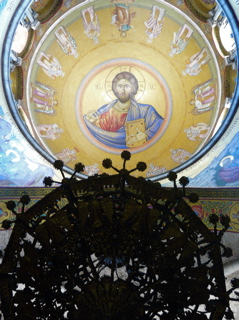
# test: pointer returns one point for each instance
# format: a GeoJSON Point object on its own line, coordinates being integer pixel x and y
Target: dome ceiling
{"type": "Point", "coordinates": [100, 77]}
{"type": "Point", "coordinates": [158, 49]}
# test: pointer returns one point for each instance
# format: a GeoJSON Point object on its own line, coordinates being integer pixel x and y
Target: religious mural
{"type": "Point", "coordinates": [49, 131]}
{"type": "Point", "coordinates": [125, 75]}
{"type": "Point", "coordinates": [43, 97]}
{"type": "Point", "coordinates": [197, 131]}
{"type": "Point", "coordinates": [18, 168]}
{"type": "Point", "coordinates": [224, 169]}
{"type": "Point", "coordinates": [133, 123]}
{"type": "Point", "coordinates": [180, 155]}
{"type": "Point", "coordinates": [154, 24]}
{"type": "Point", "coordinates": [50, 65]}
{"type": "Point", "coordinates": [111, 103]}
{"type": "Point", "coordinates": [203, 97]}
{"type": "Point", "coordinates": [127, 121]}
{"type": "Point", "coordinates": [180, 40]}
{"type": "Point", "coordinates": [91, 24]}
{"type": "Point", "coordinates": [196, 62]}
{"type": "Point", "coordinates": [122, 17]}
{"type": "Point", "coordinates": [66, 41]}
{"type": "Point", "coordinates": [67, 155]}
{"type": "Point", "coordinates": [203, 208]}
{"type": "Point", "coordinates": [154, 170]}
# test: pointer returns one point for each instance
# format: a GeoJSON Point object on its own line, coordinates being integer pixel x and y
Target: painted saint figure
{"type": "Point", "coordinates": [197, 131]}
{"type": "Point", "coordinates": [50, 65]}
{"type": "Point", "coordinates": [193, 67]}
{"type": "Point", "coordinates": [43, 96]}
{"type": "Point", "coordinates": [122, 16]}
{"type": "Point", "coordinates": [49, 131]}
{"type": "Point", "coordinates": [154, 170]}
{"type": "Point", "coordinates": [180, 155]}
{"type": "Point", "coordinates": [66, 42]}
{"type": "Point", "coordinates": [204, 96]}
{"type": "Point", "coordinates": [180, 40]}
{"type": "Point", "coordinates": [92, 170]}
{"type": "Point", "coordinates": [155, 23]}
{"type": "Point", "coordinates": [91, 24]}
{"type": "Point", "coordinates": [124, 123]}
{"type": "Point", "coordinates": [67, 155]}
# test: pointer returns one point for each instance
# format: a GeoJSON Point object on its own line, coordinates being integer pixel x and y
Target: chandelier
{"type": "Point", "coordinates": [114, 247]}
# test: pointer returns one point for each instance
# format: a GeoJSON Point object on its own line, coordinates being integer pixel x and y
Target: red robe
{"type": "Point", "coordinates": [112, 120]}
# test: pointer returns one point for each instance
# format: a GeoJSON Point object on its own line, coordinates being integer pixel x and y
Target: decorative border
{"type": "Point", "coordinates": [228, 83]}
{"type": "Point", "coordinates": [19, 83]}
{"type": "Point", "coordinates": [219, 201]}
{"type": "Point", "coordinates": [29, 44]}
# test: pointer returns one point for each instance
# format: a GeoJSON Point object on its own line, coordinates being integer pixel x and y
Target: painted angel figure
{"type": "Point", "coordinates": [197, 131]}
{"type": "Point", "coordinates": [91, 24]}
{"type": "Point", "coordinates": [122, 17]}
{"type": "Point", "coordinates": [66, 41]}
{"type": "Point", "coordinates": [50, 65]}
{"type": "Point", "coordinates": [204, 96]}
{"type": "Point", "coordinates": [154, 24]}
{"type": "Point", "coordinates": [180, 155]}
{"type": "Point", "coordinates": [180, 40]}
{"type": "Point", "coordinates": [193, 67]}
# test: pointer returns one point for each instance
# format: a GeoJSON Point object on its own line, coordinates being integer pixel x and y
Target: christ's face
{"type": "Point", "coordinates": [123, 90]}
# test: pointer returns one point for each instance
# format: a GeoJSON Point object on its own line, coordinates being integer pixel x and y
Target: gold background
{"type": "Point", "coordinates": [134, 46]}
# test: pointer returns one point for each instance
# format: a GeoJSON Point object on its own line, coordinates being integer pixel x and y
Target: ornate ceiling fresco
{"type": "Point", "coordinates": [164, 52]}
{"type": "Point", "coordinates": [99, 77]}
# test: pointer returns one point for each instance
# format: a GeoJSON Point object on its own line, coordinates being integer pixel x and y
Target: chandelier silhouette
{"type": "Point", "coordinates": [114, 247]}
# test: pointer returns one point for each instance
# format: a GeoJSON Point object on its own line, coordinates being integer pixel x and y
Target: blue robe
{"type": "Point", "coordinates": [153, 122]}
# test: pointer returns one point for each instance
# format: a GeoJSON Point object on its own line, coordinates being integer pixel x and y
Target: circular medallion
{"type": "Point", "coordinates": [113, 128]}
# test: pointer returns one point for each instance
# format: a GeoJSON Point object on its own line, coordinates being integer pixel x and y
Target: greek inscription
{"type": "Point", "coordinates": [98, 86]}
{"type": "Point", "coordinates": [151, 86]}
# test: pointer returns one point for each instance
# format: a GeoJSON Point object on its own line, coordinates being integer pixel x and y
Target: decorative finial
{"type": "Point", "coordinates": [126, 156]}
